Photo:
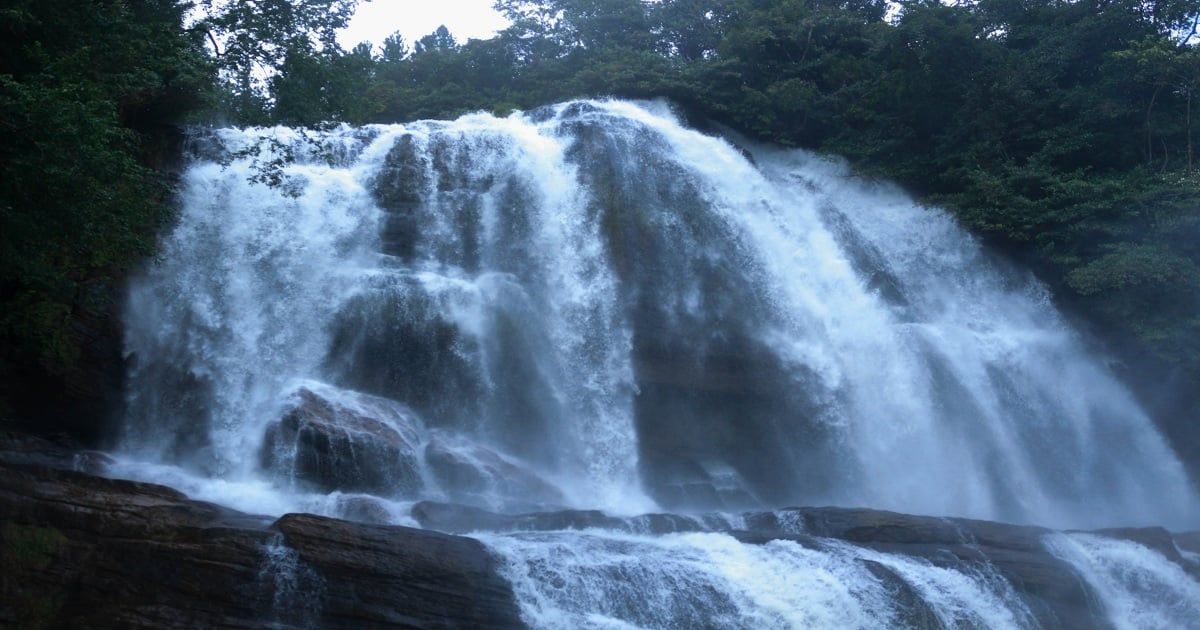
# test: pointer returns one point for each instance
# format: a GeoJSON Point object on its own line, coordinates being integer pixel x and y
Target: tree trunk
{"type": "Point", "coordinates": [1189, 128]}
{"type": "Point", "coordinates": [1149, 127]}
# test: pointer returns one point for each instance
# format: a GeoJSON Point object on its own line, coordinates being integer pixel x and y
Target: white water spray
{"type": "Point", "coordinates": [592, 306]}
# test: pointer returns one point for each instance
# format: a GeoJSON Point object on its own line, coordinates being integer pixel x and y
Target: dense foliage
{"type": "Point", "coordinates": [84, 89]}
{"type": "Point", "coordinates": [92, 96]}
{"type": "Point", "coordinates": [1060, 130]}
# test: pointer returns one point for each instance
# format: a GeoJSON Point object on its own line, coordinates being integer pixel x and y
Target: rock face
{"type": "Point", "coordinates": [84, 551]}
{"type": "Point", "coordinates": [355, 443]}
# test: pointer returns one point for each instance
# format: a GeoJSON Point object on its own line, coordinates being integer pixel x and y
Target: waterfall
{"type": "Point", "coordinates": [295, 590]}
{"type": "Point", "coordinates": [1137, 586]}
{"type": "Point", "coordinates": [597, 580]}
{"type": "Point", "coordinates": [591, 306]}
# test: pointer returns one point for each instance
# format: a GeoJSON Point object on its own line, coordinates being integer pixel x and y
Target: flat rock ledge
{"type": "Point", "coordinates": [82, 551]}
{"type": "Point", "coordinates": [78, 550]}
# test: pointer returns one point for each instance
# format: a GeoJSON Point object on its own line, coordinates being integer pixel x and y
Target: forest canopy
{"type": "Point", "coordinates": [1059, 131]}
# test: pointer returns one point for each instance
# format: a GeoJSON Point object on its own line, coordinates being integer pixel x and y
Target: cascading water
{"type": "Point", "coordinates": [1137, 587]}
{"type": "Point", "coordinates": [591, 306]}
{"type": "Point", "coordinates": [694, 580]}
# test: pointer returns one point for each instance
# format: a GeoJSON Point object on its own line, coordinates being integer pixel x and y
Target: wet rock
{"type": "Point", "coordinates": [579, 109]}
{"type": "Point", "coordinates": [1188, 541]}
{"type": "Point", "coordinates": [81, 551]}
{"type": "Point", "coordinates": [396, 340]}
{"type": "Point", "coordinates": [351, 442]}
{"type": "Point", "coordinates": [1049, 587]}
{"type": "Point", "coordinates": [84, 551]}
{"type": "Point", "coordinates": [19, 448]}
{"type": "Point", "coordinates": [474, 474]}
{"type": "Point", "coordinates": [362, 509]}
{"type": "Point", "coordinates": [461, 519]}
{"type": "Point", "coordinates": [398, 576]}
{"type": "Point", "coordinates": [403, 178]}
{"type": "Point", "coordinates": [914, 612]}
{"type": "Point", "coordinates": [1155, 538]}
{"type": "Point", "coordinates": [762, 538]}
{"type": "Point", "coordinates": [399, 187]}
{"type": "Point", "coordinates": [453, 518]}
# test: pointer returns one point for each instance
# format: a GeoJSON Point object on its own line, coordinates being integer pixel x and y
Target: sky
{"type": "Point", "coordinates": [466, 19]}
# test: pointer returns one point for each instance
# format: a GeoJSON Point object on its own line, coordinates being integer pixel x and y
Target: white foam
{"type": "Point", "coordinates": [970, 396]}
{"type": "Point", "coordinates": [603, 579]}
{"type": "Point", "coordinates": [1139, 588]}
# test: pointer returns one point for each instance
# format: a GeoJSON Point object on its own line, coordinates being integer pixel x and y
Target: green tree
{"type": "Point", "coordinates": [89, 92]}
{"type": "Point", "coordinates": [251, 39]}
{"type": "Point", "coordinates": [316, 86]}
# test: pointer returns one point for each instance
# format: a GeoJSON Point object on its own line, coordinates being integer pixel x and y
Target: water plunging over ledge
{"type": "Point", "coordinates": [590, 306]}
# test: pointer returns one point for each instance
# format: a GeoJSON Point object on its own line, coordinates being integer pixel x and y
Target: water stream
{"type": "Point", "coordinates": [592, 306]}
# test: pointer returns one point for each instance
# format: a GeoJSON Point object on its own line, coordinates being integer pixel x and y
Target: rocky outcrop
{"type": "Point", "coordinates": [360, 444]}
{"type": "Point", "coordinates": [83, 551]}
{"type": "Point", "coordinates": [461, 519]}
{"type": "Point", "coordinates": [475, 474]}
{"type": "Point", "coordinates": [399, 187]}
{"type": "Point", "coordinates": [421, 357]}
{"type": "Point", "coordinates": [363, 509]}
{"type": "Point", "coordinates": [1189, 541]}
{"type": "Point", "coordinates": [380, 575]}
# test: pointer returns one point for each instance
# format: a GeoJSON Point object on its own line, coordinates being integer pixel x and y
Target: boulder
{"type": "Point", "coordinates": [477, 475]}
{"type": "Point", "coordinates": [913, 611]}
{"type": "Point", "coordinates": [363, 509]}
{"type": "Point", "coordinates": [334, 440]}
